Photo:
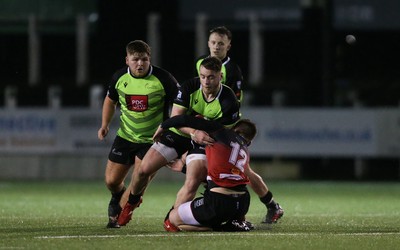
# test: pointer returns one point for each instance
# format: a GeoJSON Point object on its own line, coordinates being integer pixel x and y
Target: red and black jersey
{"type": "Point", "coordinates": [226, 158]}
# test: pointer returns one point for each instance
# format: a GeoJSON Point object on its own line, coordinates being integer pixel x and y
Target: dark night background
{"type": "Point", "coordinates": [293, 57]}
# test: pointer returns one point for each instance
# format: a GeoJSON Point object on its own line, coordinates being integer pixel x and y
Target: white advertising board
{"type": "Point", "coordinates": [47, 131]}
{"type": "Point", "coordinates": [282, 132]}
{"type": "Point", "coordinates": [325, 132]}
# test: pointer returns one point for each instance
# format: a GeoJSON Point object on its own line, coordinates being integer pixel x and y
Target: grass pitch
{"type": "Point", "coordinates": [318, 215]}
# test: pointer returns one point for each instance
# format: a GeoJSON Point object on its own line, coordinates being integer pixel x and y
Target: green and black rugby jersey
{"type": "Point", "coordinates": [231, 75]}
{"type": "Point", "coordinates": [224, 108]}
{"type": "Point", "coordinates": [144, 102]}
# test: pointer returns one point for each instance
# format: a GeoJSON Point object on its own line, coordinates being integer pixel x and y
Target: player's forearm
{"type": "Point", "coordinates": [187, 130]}
{"type": "Point", "coordinates": [188, 124]}
{"type": "Point", "coordinates": [257, 183]}
{"type": "Point", "coordinates": [178, 121]}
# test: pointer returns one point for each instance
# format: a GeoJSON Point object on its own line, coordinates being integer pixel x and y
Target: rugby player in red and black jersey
{"type": "Point", "coordinates": [226, 199]}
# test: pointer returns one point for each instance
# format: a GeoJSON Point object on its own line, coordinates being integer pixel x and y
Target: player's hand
{"type": "Point", "coordinates": [157, 134]}
{"type": "Point", "coordinates": [202, 137]}
{"type": "Point", "coordinates": [102, 133]}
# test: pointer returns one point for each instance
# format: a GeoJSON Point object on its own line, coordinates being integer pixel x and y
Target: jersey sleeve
{"type": "Point", "coordinates": [112, 91]}
{"type": "Point", "coordinates": [234, 79]}
{"type": "Point", "coordinates": [230, 107]}
{"type": "Point", "coordinates": [169, 83]}
{"type": "Point", "coordinates": [182, 99]}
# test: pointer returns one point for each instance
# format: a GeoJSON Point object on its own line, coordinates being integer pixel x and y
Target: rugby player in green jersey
{"type": "Point", "coordinates": [219, 43]}
{"type": "Point", "coordinates": [144, 94]}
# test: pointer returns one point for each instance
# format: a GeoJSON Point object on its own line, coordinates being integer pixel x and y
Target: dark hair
{"type": "Point", "coordinates": [138, 46]}
{"type": "Point", "coordinates": [222, 30]}
{"type": "Point", "coordinates": [246, 129]}
{"type": "Point", "coordinates": [212, 63]}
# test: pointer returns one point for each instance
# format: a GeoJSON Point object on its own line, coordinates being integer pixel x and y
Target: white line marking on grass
{"type": "Point", "coordinates": [12, 247]}
{"type": "Point", "coordinates": [193, 234]}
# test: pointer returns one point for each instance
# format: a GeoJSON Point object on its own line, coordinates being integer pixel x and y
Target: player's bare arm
{"type": "Point", "coordinates": [107, 114]}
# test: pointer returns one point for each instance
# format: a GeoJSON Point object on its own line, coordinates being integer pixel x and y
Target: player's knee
{"type": "Point", "coordinates": [111, 183]}
{"type": "Point", "coordinates": [173, 217]}
{"type": "Point", "coordinates": [145, 171]}
{"type": "Point", "coordinates": [142, 174]}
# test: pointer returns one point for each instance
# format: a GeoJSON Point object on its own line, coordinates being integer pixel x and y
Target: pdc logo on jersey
{"type": "Point", "coordinates": [138, 103]}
